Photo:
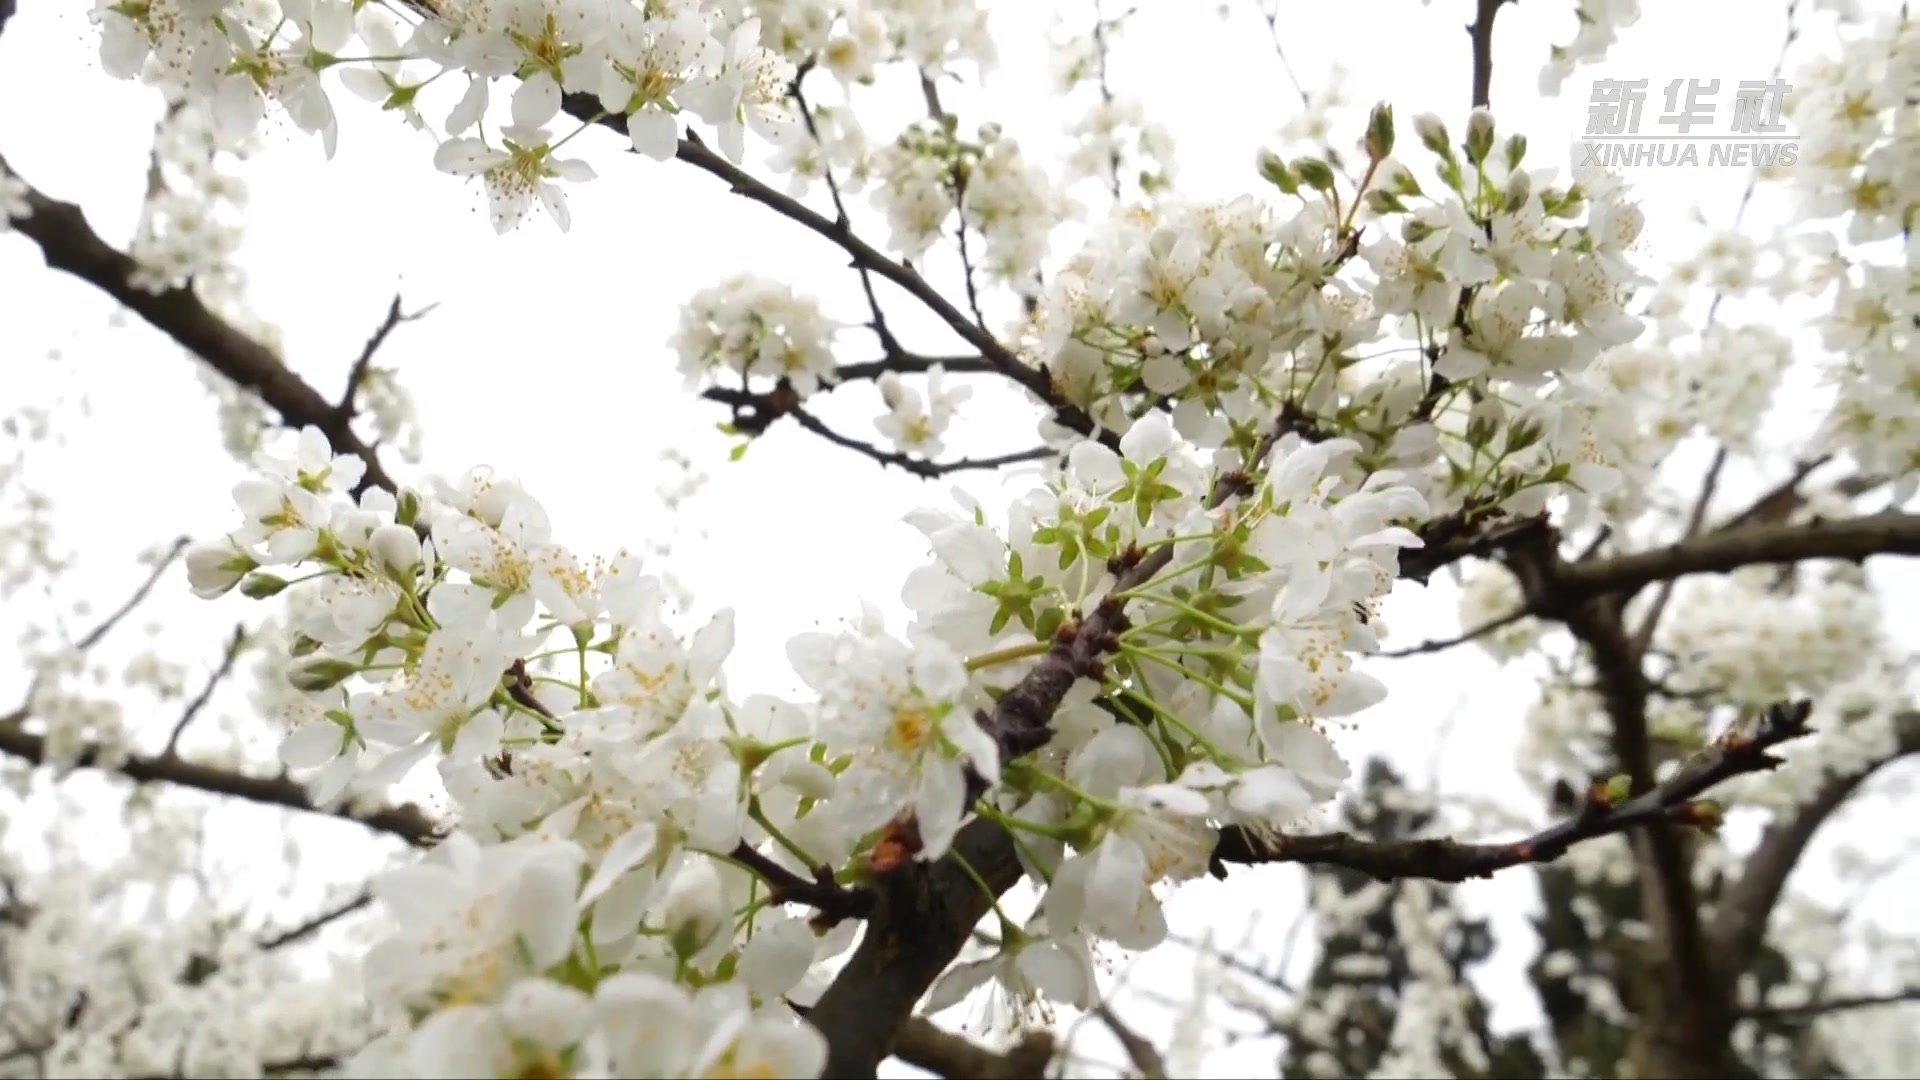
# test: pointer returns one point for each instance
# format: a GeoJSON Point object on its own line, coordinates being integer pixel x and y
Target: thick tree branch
{"type": "Point", "coordinates": [69, 244]}
{"type": "Point", "coordinates": [1744, 748]}
{"type": "Point", "coordinates": [1852, 539]}
{"type": "Point", "coordinates": [910, 363]}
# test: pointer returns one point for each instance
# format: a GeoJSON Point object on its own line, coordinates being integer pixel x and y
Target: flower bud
{"type": "Point", "coordinates": [1519, 186]}
{"type": "Point", "coordinates": [396, 548]}
{"type": "Point", "coordinates": [215, 567]}
{"type": "Point", "coordinates": [260, 586]}
{"type": "Point", "coordinates": [1479, 135]}
{"type": "Point", "coordinates": [1273, 168]}
{"type": "Point", "coordinates": [695, 908]}
{"type": "Point", "coordinates": [1516, 149]}
{"type": "Point", "coordinates": [1314, 173]}
{"type": "Point", "coordinates": [1380, 132]}
{"type": "Point", "coordinates": [1433, 134]}
{"type": "Point", "coordinates": [320, 673]}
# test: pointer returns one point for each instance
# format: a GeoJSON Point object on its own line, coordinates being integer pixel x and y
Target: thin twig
{"type": "Point", "coordinates": [1831, 1005]}
{"type": "Point", "coordinates": [93, 637]}
{"type": "Point", "coordinates": [1440, 644]}
{"type": "Point", "coordinates": [357, 375]}
{"type": "Point", "coordinates": [317, 923]}
{"type": "Point", "coordinates": [236, 642]}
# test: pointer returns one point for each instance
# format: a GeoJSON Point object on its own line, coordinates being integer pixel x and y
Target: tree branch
{"type": "Point", "coordinates": [406, 821]}
{"type": "Point", "coordinates": [235, 643]}
{"type": "Point", "coordinates": [586, 107]}
{"type": "Point", "coordinates": [357, 375]}
{"type": "Point", "coordinates": [1831, 1005]}
{"type": "Point", "coordinates": [754, 412]}
{"type": "Point", "coordinates": [1852, 539]}
{"type": "Point", "coordinates": [1744, 748]}
{"type": "Point", "coordinates": [94, 636]}
{"type": "Point", "coordinates": [1480, 31]}
{"type": "Point", "coordinates": [69, 244]}
{"type": "Point", "coordinates": [1740, 918]}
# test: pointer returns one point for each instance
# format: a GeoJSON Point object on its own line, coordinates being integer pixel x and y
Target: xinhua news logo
{"type": "Point", "coordinates": [1694, 129]}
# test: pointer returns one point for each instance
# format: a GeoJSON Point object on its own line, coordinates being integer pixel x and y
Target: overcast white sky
{"type": "Point", "coordinates": [546, 356]}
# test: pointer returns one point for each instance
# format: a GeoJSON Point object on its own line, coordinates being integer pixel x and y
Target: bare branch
{"type": "Point", "coordinates": [754, 412]}
{"type": "Point", "coordinates": [1144, 1055]}
{"type": "Point", "coordinates": [69, 244]}
{"type": "Point", "coordinates": [1441, 644]}
{"type": "Point", "coordinates": [235, 643]}
{"type": "Point", "coordinates": [97, 634]}
{"type": "Point", "coordinates": [908, 363]}
{"type": "Point", "coordinates": [406, 821]}
{"type": "Point", "coordinates": [835, 902]}
{"type": "Point", "coordinates": [694, 152]}
{"type": "Point", "coordinates": [1831, 1005]}
{"type": "Point", "coordinates": [1480, 31]}
{"type": "Point", "coordinates": [1744, 748]}
{"type": "Point", "coordinates": [1852, 539]}
{"type": "Point", "coordinates": [357, 375]}
{"type": "Point", "coordinates": [301, 931]}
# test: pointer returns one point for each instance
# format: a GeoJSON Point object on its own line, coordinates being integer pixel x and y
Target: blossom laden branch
{"type": "Point", "coordinates": [1744, 748]}
{"type": "Point", "coordinates": [693, 151]}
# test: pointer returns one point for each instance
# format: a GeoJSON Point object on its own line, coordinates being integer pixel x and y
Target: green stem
{"type": "Point", "coordinates": [1007, 655]}
{"type": "Point", "coordinates": [1206, 619]}
{"type": "Point", "coordinates": [1011, 823]}
{"type": "Point", "coordinates": [1184, 728]}
{"type": "Point", "coordinates": [760, 818]}
{"type": "Point", "coordinates": [1173, 662]}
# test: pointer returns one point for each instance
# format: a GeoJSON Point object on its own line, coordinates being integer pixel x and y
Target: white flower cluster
{"type": "Point", "coordinates": [604, 908]}
{"type": "Point", "coordinates": [852, 37]}
{"type": "Point", "coordinates": [91, 985]}
{"type": "Point", "coordinates": [727, 62]}
{"type": "Point", "coordinates": [916, 422]}
{"type": "Point", "coordinates": [924, 174]}
{"type": "Point", "coordinates": [1860, 160]}
{"type": "Point", "coordinates": [190, 222]}
{"type": "Point", "coordinates": [1513, 288]}
{"type": "Point", "coordinates": [749, 327]}
{"type": "Point", "coordinates": [1600, 23]}
{"type": "Point", "coordinates": [239, 56]}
